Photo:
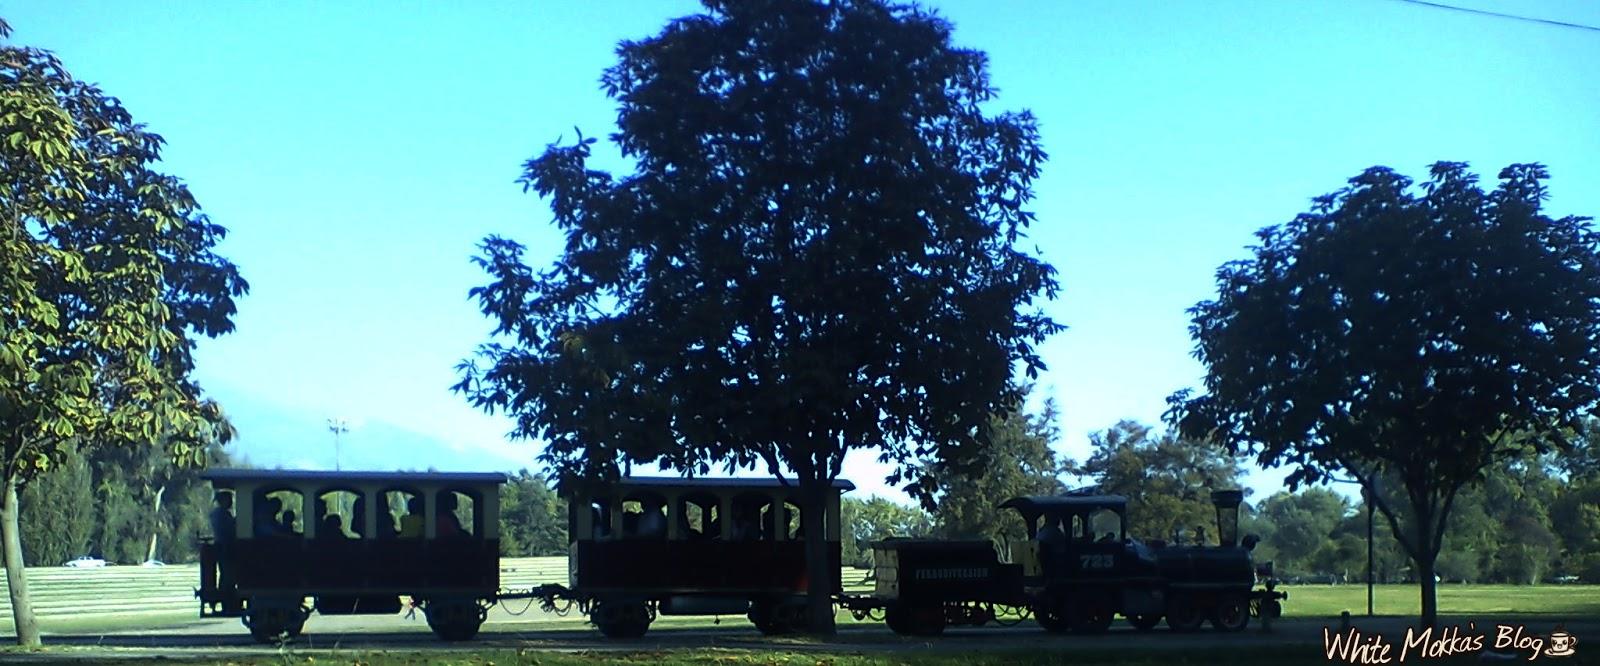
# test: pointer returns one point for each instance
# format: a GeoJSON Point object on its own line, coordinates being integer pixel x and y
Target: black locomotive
{"type": "Point", "coordinates": [1076, 571]}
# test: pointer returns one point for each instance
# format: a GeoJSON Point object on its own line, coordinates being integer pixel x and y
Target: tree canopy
{"type": "Point", "coordinates": [1417, 338]}
{"type": "Point", "coordinates": [108, 274]}
{"type": "Point", "coordinates": [1017, 462]}
{"type": "Point", "coordinates": [816, 251]}
{"type": "Point", "coordinates": [1167, 479]}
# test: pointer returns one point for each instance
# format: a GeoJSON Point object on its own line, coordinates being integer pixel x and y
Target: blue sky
{"type": "Point", "coordinates": [358, 151]}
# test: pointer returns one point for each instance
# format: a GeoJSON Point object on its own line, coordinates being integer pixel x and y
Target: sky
{"type": "Point", "coordinates": [358, 152]}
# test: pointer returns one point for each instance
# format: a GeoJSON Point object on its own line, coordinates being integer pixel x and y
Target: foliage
{"type": "Point", "coordinates": [533, 519]}
{"type": "Point", "coordinates": [815, 252]}
{"type": "Point", "coordinates": [1302, 523]}
{"type": "Point", "coordinates": [107, 273]}
{"type": "Point", "coordinates": [1167, 479]}
{"type": "Point", "coordinates": [876, 519]}
{"type": "Point", "coordinates": [58, 513]}
{"type": "Point", "coordinates": [105, 506]}
{"type": "Point", "coordinates": [1418, 339]}
{"type": "Point", "coordinates": [1018, 462]}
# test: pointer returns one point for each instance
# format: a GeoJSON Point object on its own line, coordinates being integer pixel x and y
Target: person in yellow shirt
{"type": "Point", "coordinates": [411, 523]}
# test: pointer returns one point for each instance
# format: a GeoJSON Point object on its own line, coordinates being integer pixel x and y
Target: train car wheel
{"type": "Point", "coordinates": [1184, 613]}
{"type": "Point", "coordinates": [915, 619]}
{"type": "Point", "coordinates": [454, 620]}
{"type": "Point", "coordinates": [1145, 622]}
{"type": "Point", "coordinates": [617, 619]}
{"type": "Point", "coordinates": [775, 618]}
{"type": "Point", "coordinates": [1232, 613]}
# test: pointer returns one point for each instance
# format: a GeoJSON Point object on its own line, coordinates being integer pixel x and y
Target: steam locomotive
{"type": "Point", "coordinates": [1076, 571]}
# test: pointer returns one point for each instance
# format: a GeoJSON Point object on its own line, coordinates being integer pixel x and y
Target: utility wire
{"type": "Point", "coordinates": [1484, 12]}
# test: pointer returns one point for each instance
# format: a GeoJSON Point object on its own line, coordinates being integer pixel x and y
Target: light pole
{"type": "Point", "coordinates": [337, 426]}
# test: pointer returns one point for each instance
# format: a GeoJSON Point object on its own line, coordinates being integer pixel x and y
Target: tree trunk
{"type": "Point", "coordinates": [1430, 588]}
{"type": "Point", "coordinates": [820, 572]}
{"type": "Point", "coordinates": [27, 626]}
{"type": "Point", "coordinates": [155, 527]}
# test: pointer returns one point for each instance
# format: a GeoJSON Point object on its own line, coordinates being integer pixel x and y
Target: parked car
{"type": "Point", "coordinates": [153, 563]}
{"type": "Point", "coordinates": [86, 562]}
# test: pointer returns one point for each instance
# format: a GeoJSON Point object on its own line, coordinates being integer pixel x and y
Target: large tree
{"type": "Point", "coordinates": [1167, 479]}
{"type": "Point", "coordinates": [816, 251]}
{"type": "Point", "coordinates": [106, 271]}
{"type": "Point", "coordinates": [1404, 336]}
{"type": "Point", "coordinates": [1018, 462]}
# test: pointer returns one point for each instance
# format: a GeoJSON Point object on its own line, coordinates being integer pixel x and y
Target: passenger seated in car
{"type": "Point", "coordinates": [1108, 537]}
{"type": "Point", "coordinates": [1051, 534]}
{"type": "Point", "coordinates": [653, 520]}
{"type": "Point", "coordinates": [266, 517]}
{"type": "Point", "coordinates": [449, 526]}
{"type": "Point", "coordinates": [331, 526]}
{"type": "Point", "coordinates": [286, 525]}
{"type": "Point", "coordinates": [746, 527]}
{"type": "Point", "coordinates": [411, 525]}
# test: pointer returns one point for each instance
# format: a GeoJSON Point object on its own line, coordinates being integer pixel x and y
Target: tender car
{"type": "Point", "coordinates": [86, 562]}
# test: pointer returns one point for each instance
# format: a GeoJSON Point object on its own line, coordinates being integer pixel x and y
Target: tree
{"type": "Point", "coordinates": [1419, 338]}
{"type": "Point", "coordinates": [58, 513]}
{"type": "Point", "coordinates": [1018, 462]}
{"type": "Point", "coordinates": [1167, 479]}
{"type": "Point", "coordinates": [876, 519]}
{"type": "Point", "coordinates": [1303, 523]}
{"type": "Point", "coordinates": [815, 252]}
{"type": "Point", "coordinates": [107, 271]}
{"type": "Point", "coordinates": [533, 519]}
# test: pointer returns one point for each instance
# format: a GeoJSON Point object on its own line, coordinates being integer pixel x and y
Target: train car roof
{"type": "Point", "coordinates": [703, 482]}
{"type": "Point", "coordinates": [1038, 503]}
{"type": "Point", "coordinates": [236, 475]}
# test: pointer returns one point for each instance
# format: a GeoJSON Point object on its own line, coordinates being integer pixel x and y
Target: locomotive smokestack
{"type": "Point", "coordinates": [1227, 503]}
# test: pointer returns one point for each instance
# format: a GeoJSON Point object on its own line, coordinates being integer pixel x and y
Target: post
{"type": "Point", "coordinates": [1367, 496]}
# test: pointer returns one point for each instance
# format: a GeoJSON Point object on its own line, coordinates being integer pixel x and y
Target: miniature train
{"type": "Point", "coordinates": [646, 547]}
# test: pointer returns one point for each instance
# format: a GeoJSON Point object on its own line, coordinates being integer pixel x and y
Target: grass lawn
{"type": "Point", "coordinates": [1246, 656]}
{"type": "Point", "coordinates": [1330, 600]}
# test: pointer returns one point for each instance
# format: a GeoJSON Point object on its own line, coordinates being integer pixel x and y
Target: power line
{"type": "Point", "coordinates": [1484, 12]}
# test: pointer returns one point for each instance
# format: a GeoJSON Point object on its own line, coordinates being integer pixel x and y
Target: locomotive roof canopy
{"type": "Point", "coordinates": [227, 477]}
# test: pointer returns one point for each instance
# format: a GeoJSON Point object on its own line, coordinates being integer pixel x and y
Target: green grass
{"type": "Point", "coordinates": [1245, 656]}
{"type": "Point", "coordinates": [1306, 601]}
{"type": "Point", "coordinates": [1405, 600]}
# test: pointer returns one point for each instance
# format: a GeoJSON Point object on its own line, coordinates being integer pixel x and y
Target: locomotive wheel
{"type": "Point", "coordinates": [1092, 616]}
{"type": "Point", "coordinates": [1232, 613]}
{"type": "Point", "coordinates": [1049, 618]}
{"type": "Point", "coordinates": [1184, 613]}
{"type": "Point", "coordinates": [1144, 622]}
{"type": "Point", "coordinates": [621, 619]}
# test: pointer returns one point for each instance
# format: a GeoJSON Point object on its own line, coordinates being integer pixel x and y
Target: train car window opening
{"type": "Point", "coordinates": [600, 517]}
{"type": "Point", "coordinates": [698, 517]}
{"type": "Point", "coordinates": [277, 512]}
{"type": "Point", "coordinates": [644, 516]}
{"type": "Point", "coordinates": [748, 517]}
{"type": "Point", "coordinates": [457, 514]}
{"type": "Point", "coordinates": [336, 514]}
{"type": "Point", "coordinates": [793, 528]}
{"type": "Point", "coordinates": [1104, 525]}
{"type": "Point", "coordinates": [406, 511]}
